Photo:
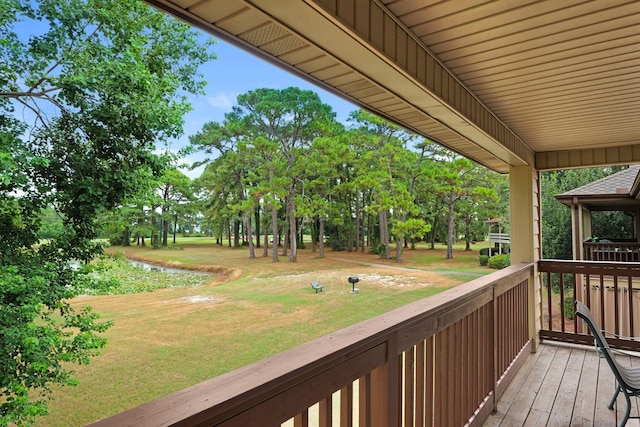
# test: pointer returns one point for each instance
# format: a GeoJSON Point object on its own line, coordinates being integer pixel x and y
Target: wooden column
{"type": "Point", "coordinates": [524, 190]}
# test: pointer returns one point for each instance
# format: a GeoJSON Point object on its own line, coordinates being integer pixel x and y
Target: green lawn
{"type": "Point", "coordinates": [171, 338]}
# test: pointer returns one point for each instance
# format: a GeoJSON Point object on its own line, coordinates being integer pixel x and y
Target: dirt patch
{"type": "Point", "coordinates": [372, 277]}
{"type": "Point", "coordinates": [200, 299]}
{"type": "Point", "coordinates": [233, 264]}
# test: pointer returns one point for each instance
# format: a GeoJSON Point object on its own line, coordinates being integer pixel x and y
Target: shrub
{"type": "Point", "coordinates": [569, 307]}
{"type": "Point", "coordinates": [484, 251]}
{"type": "Point", "coordinates": [555, 282]}
{"type": "Point", "coordinates": [336, 243]}
{"type": "Point", "coordinates": [380, 249]}
{"type": "Point", "coordinates": [499, 261]}
{"type": "Point", "coordinates": [484, 259]}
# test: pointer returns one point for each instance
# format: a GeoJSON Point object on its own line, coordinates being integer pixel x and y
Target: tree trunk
{"type": "Point", "coordinates": [126, 239]}
{"type": "Point", "coordinates": [285, 244]}
{"type": "Point", "coordinates": [314, 234]}
{"type": "Point", "coordinates": [384, 237]}
{"type": "Point", "coordinates": [236, 233]}
{"type": "Point", "coordinates": [293, 231]}
{"type": "Point", "coordinates": [399, 249]}
{"type": "Point", "coordinates": [175, 226]}
{"type": "Point", "coordinates": [451, 230]}
{"type": "Point", "coordinates": [265, 246]}
{"type": "Point", "coordinates": [229, 232]}
{"type": "Point", "coordinates": [321, 236]}
{"type": "Point", "coordinates": [274, 233]}
{"type": "Point", "coordinates": [434, 223]}
{"type": "Point", "coordinates": [357, 237]}
{"type": "Point", "coordinates": [265, 250]}
{"type": "Point", "coordinates": [154, 231]}
{"type": "Point", "coordinates": [252, 252]}
{"type": "Point", "coordinates": [364, 222]}
{"type": "Point", "coordinates": [370, 229]}
{"type": "Point", "coordinates": [257, 215]}
{"type": "Point", "coordinates": [165, 232]}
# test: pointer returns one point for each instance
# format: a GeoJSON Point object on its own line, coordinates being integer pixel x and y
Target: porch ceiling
{"type": "Point", "coordinates": [552, 84]}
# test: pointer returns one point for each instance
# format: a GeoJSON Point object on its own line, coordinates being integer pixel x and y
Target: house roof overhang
{"type": "Point", "coordinates": [549, 84]}
{"type": "Point", "coordinates": [614, 192]}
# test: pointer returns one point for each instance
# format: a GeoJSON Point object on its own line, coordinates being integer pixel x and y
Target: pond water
{"type": "Point", "coordinates": [154, 267]}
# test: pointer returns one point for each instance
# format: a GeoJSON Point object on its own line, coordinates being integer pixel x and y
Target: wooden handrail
{"type": "Point", "coordinates": [447, 358]}
{"type": "Point", "coordinates": [607, 288]}
{"type": "Point", "coordinates": [611, 251]}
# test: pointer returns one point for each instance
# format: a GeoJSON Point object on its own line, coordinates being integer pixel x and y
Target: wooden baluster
{"type": "Point", "coordinates": [409, 364]}
{"type": "Point", "coordinates": [364, 401]}
{"type": "Point", "coordinates": [346, 406]}
{"type": "Point", "coordinates": [420, 384]}
{"type": "Point", "coordinates": [302, 419]}
{"type": "Point", "coordinates": [602, 304]}
{"type": "Point", "coordinates": [575, 290]}
{"type": "Point", "coordinates": [616, 306]}
{"type": "Point", "coordinates": [562, 302]}
{"type": "Point", "coordinates": [440, 379]}
{"type": "Point", "coordinates": [466, 403]}
{"type": "Point", "coordinates": [429, 381]}
{"type": "Point", "coordinates": [630, 288]}
{"type": "Point", "coordinates": [549, 304]}
{"type": "Point", "coordinates": [325, 415]}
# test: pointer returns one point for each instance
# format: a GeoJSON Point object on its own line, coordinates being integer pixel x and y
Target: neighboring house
{"type": "Point", "coordinates": [617, 192]}
{"type": "Point", "coordinates": [498, 240]}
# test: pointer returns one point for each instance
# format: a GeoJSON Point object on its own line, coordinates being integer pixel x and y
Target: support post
{"type": "Point", "coordinates": [524, 182]}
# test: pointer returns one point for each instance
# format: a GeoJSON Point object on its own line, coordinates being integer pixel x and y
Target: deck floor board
{"type": "Point", "coordinates": [563, 385]}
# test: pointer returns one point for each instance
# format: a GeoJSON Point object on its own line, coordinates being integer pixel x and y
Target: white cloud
{"type": "Point", "coordinates": [222, 100]}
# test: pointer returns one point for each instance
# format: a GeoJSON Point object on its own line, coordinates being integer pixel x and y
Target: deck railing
{"type": "Point", "coordinates": [611, 251]}
{"type": "Point", "coordinates": [441, 361]}
{"type": "Point", "coordinates": [610, 289]}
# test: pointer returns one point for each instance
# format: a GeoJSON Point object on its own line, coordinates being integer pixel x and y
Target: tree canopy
{"type": "Point", "coordinates": [84, 98]}
{"type": "Point", "coordinates": [556, 218]}
{"type": "Point", "coordinates": [366, 183]}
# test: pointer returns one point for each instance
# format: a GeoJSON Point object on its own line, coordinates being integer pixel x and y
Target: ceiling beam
{"type": "Point", "coordinates": [588, 157]}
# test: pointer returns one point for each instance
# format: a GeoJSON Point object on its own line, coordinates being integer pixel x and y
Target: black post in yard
{"type": "Point", "coordinates": [353, 280]}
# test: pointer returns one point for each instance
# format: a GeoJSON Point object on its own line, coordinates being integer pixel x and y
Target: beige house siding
{"type": "Point", "coordinates": [525, 228]}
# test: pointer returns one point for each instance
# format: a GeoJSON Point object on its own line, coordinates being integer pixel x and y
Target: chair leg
{"type": "Point", "coordinates": [627, 412]}
{"type": "Point", "coordinates": [615, 396]}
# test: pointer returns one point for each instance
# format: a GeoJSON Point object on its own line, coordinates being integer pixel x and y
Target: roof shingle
{"type": "Point", "coordinates": [618, 183]}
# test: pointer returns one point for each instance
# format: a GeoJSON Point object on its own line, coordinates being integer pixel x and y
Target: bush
{"type": "Point", "coordinates": [499, 261]}
{"type": "Point", "coordinates": [555, 282]}
{"type": "Point", "coordinates": [484, 259]}
{"type": "Point", "coordinates": [569, 307]}
{"type": "Point", "coordinates": [380, 249]}
{"type": "Point", "coordinates": [484, 251]}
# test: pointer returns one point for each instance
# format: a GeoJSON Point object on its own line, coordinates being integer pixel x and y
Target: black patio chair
{"type": "Point", "coordinates": [627, 378]}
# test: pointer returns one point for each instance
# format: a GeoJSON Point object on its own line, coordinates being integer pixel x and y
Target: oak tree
{"type": "Point", "coordinates": [83, 98]}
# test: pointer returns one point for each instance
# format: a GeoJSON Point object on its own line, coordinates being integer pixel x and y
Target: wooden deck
{"type": "Point", "coordinates": [563, 385]}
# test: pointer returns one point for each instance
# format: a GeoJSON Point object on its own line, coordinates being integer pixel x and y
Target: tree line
{"type": "Point", "coordinates": [280, 166]}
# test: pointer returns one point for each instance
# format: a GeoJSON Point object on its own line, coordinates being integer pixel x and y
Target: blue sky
{"type": "Point", "coordinates": [236, 72]}
{"type": "Point", "coordinates": [233, 73]}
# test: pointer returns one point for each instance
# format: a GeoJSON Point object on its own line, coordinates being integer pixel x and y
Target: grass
{"type": "Point", "coordinates": [172, 338]}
